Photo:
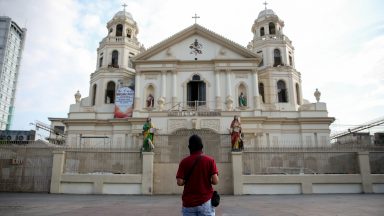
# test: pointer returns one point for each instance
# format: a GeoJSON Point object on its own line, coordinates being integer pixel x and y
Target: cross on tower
{"type": "Point", "coordinates": [124, 5]}
{"type": "Point", "coordinates": [265, 4]}
{"type": "Point", "coordinates": [195, 17]}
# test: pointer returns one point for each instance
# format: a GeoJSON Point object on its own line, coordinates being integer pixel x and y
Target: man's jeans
{"type": "Point", "coordinates": [206, 209]}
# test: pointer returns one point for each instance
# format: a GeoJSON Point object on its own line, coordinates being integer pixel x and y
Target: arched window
{"type": "Point", "coordinates": [110, 92]}
{"type": "Point", "coordinates": [282, 92]}
{"type": "Point", "coordinates": [115, 59]}
{"type": "Point", "coordinates": [276, 57]}
{"type": "Point", "coordinates": [272, 29]}
{"type": "Point", "coordinates": [261, 91]}
{"type": "Point", "coordinates": [100, 62]}
{"type": "Point", "coordinates": [297, 94]}
{"type": "Point", "coordinates": [260, 53]}
{"type": "Point", "coordinates": [119, 30]}
{"type": "Point", "coordinates": [262, 33]}
{"type": "Point", "coordinates": [94, 88]}
{"type": "Point", "coordinates": [129, 33]}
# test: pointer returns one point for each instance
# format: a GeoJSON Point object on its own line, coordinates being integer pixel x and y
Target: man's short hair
{"type": "Point", "coordinates": [195, 143]}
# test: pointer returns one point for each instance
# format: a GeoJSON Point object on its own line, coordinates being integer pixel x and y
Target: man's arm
{"type": "Point", "coordinates": [180, 181]}
{"type": "Point", "coordinates": [215, 179]}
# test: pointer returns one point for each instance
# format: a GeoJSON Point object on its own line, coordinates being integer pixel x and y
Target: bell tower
{"type": "Point", "coordinates": [114, 59]}
{"type": "Point", "coordinates": [279, 82]}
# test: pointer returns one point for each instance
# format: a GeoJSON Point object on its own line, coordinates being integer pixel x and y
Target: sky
{"type": "Point", "coordinates": [339, 47]}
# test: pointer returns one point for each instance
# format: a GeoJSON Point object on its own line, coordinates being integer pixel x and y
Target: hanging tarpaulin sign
{"type": "Point", "coordinates": [124, 102]}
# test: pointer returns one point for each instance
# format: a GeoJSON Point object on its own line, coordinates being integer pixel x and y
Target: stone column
{"type": "Point", "coordinates": [57, 171]}
{"type": "Point", "coordinates": [163, 83]}
{"type": "Point", "coordinates": [147, 173]}
{"type": "Point", "coordinates": [217, 90]}
{"type": "Point", "coordinates": [137, 104]}
{"type": "Point", "coordinates": [174, 88]}
{"type": "Point", "coordinates": [365, 172]}
{"type": "Point", "coordinates": [229, 91]}
{"type": "Point", "coordinates": [237, 172]}
{"type": "Point", "coordinates": [256, 94]}
{"type": "Point", "coordinates": [229, 99]}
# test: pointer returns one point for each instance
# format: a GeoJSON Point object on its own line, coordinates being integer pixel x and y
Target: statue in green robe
{"type": "Point", "coordinates": [148, 136]}
{"type": "Point", "coordinates": [242, 100]}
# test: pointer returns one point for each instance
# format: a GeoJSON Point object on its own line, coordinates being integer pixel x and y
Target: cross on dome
{"type": "Point", "coordinates": [124, 5]}
{"type": "Point", "coordinates": [195, 17]}
{"type": "Point", "coordinates": [265, 4]}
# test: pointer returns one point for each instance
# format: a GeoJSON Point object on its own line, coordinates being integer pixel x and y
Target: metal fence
{"type": "Point", "coordinates": [102, 161]}
{"type": "Point", "coordinates": [25, 169]}
{"type": "Point", "coordinates": [332, 160]}
{"type": "Point", "coordinates": [376, 161]}
{"type": "Point", "coordinates": [174, 147]}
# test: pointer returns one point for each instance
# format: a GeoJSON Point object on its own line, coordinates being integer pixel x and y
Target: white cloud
{"type": "Point", "coordinates": [338, 46]}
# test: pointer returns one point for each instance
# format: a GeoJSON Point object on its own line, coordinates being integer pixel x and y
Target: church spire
{"type": "Point", "coordinates": [265, 4]}
{"type": "Point", "coordinates": [124, 6]}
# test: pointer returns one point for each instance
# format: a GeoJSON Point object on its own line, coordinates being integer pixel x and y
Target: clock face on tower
{"type": "Point", "coordinates": [196, 47]}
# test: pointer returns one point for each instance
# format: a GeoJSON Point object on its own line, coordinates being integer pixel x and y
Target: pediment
{"type": "Point", "coordinates": [196, 43]}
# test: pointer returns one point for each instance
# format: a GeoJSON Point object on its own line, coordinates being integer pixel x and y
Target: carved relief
{"type": "Point", "coordinates": [213, 124]}
{"type": "Point", "coordinates": [174, 124]}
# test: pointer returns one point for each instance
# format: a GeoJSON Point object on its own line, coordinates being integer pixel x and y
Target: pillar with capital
{"type": "Point", "coordinates": [217, 90]}
{"type": "Point", "coordinates": [256, 94]}
{"type": "Point", "coordinates": [174, 88]}
{"type": "Point", "coordinates": [229, 99]}
{"type": "Point", "coordinates": [162, 98]}
{"type": "Point", "coordinates": [137, 102]}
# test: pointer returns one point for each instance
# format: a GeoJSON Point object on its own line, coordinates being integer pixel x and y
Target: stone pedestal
{"type": "Point", "coordinates": [147, 176]}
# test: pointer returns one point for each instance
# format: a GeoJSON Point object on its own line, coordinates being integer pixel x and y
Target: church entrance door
{"type": "Point", "coordinates": [196, 92]}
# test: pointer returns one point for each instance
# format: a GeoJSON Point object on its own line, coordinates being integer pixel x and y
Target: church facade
{"type": "Point", "coordinates": [197, 80]}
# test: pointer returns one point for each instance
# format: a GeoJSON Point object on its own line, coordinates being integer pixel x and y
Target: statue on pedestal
{"type": "Point", "coordinates": [242, 100]}
{"type": "Point", "coordinates": [228, 103]}
{"type": "Point", "coordinates": [236, 135]}
{"type": "Point", "coordinates": [317, 95]}
{"type": "Point", "coordinates": [161, 102]}
{"type": "Point", "coordinates": [148, 136]}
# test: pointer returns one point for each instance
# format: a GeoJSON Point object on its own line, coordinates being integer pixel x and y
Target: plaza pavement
{"type": "Point", "coordinates": [272, 205]}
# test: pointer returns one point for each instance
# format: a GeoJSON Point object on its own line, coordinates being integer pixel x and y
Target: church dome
{"type": "Point", "coordinates": [123, 14]}
{"type": "Point", "coordinates": [266, 12]}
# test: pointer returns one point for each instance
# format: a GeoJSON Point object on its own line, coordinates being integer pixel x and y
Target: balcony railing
{"type": "Point", "coordinates": [120, 40]}
{"type": "Point", "coordinates": [269, 37]}
{"type": "Point", "coordinates": [194, 108]}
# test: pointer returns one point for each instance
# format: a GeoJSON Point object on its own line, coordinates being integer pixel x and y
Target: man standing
{"type": "Point", "coordinates": [197, 173]}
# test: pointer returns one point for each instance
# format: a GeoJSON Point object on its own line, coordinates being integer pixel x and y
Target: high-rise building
{"type": "Point", "coordinates": [12, 39]}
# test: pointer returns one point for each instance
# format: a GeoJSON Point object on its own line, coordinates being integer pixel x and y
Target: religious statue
{"type": "Point", "coordinates": [148, 135]}
{"type": "Point", "coordinates": [242, 100]}
{"type": "Point", "coordinates": [317, 95]}
{"type": "Point", "coordinates": [77, 96]}
{"type": "Point", "coordinates": [150, 101]}
{"type": "Point", "coordinates": [236, 135]}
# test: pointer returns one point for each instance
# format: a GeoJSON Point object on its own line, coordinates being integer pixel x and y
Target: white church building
{"type": "Point", "coordinates": [196, 77]}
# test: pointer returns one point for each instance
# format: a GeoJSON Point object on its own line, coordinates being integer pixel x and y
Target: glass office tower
{"type": "Point", "coordinates": [12, 39]}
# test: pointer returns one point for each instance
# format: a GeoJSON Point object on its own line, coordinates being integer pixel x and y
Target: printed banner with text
{"type": "Point", "coordinates": [124, 102]}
